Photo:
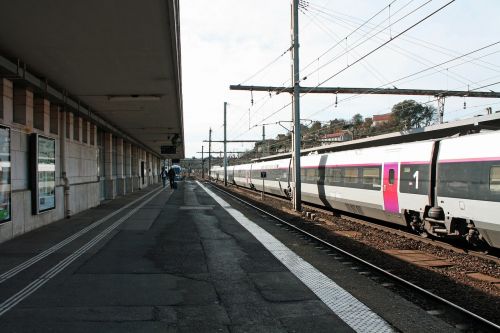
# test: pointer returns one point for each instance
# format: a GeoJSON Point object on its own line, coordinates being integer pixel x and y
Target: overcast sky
{"type": "Point", "coordinates": [226, 42]}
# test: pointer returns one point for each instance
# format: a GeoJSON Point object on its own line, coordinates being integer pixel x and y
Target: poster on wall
{"type": "Point", "coordinates": [43, 173]}
{"type": "Point", "coordinates": [5, 169]}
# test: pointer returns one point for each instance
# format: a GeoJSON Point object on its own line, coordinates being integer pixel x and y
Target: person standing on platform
{"type": "Point", "coordinates": [164, 176]}
{"type": "Point", "coordinates": [171, 177]}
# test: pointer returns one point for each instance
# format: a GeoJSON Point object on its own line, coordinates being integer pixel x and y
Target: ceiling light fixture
{"type": "Point", "coordinates": [133, 98]}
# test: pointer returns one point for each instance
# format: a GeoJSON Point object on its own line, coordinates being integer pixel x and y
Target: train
{"type": "Point", "coordinates": [447, 187]}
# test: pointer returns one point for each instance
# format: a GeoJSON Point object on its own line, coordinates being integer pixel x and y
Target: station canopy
{"type": "Point", "coordinates": [117, 59]}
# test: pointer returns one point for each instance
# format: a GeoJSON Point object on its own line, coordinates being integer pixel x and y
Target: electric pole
{"type": "Point", "coordinates": [209, 151]}
{"type": "Point", "coordinates": [202, 164]}
{"type": "Point", "coordinates": [225, 143]}
{"type": "Point", "coordinates": [297, 197]}
{"type": "Point", "coordinates": [263, 140]}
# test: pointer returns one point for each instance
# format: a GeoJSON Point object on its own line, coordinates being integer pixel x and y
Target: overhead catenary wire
{"type": "Point", "coordinates": [364, 23]}
{"type": "Point", "coordinates": [368, 38]}
{"type": "Point", "coordinates": [424, 61]}
{"type": "Point", "coordinates": [371, 52]}
{"type": "Point", "coordinates": [385, 43]}
{"type": "Point", "coordinates": [353, 21]}
{"type": "Point", "coordinates": [429, 68]}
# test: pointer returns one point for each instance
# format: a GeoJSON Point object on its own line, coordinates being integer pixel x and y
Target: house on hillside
{"type": "Point", "coordinates": [380, 119]}
{"type": "Point", "coordinates": [340, 136]}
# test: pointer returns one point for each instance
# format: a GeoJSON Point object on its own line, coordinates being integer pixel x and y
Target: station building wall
{"type": "Point", "coordinates": [86, 173]}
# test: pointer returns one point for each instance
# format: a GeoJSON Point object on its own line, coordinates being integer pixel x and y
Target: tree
{"type": "Point", "coordinates": [411, 114]}
{"type": "Point", "coordinates": [357, 120]}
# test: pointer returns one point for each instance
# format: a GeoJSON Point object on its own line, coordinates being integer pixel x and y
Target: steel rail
{"type": "Point", "coordinates": [392, 229]}
{"type": "Point", "coordinates": [376, 268]}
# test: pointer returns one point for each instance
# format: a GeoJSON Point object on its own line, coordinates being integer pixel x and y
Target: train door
{"type": "Point", "coordinates": [390, 188]}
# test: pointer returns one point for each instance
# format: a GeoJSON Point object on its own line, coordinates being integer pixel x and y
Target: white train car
{"type": "Point", "coordinates": [468, 185]}
{"type": "Point", "coordinates": [385, 182]}
{"type": "Point", "coordinates": [276, 177]}
{"type": "Point", "coordinates": [242, 175]}
{"type": "Point", "coordinates": [448, 187]}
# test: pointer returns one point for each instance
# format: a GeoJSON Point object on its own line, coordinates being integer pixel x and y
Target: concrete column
{"type": "Point", "coordinates": [108, 166]}
{"type": "Point", "coordinates": [23, 107]}
{"type": "Point", "coordinates": [120, 178]}
{"type": "Point", "coordinates": [6, 101]}
{"type": "Point", "coordinates": [149, 169]}
{"type": "Point", "coordinates": [63, 117]}
{"type": "Point", "coordinates": [54, 119]}
{"type": "Point", "coordinates": [135, 169]}
{"type": "Point", "coordinates": [127, 164]}
{"type": "Point", "coordinates": [146, 172]}
{"type": "Point", "coordinates": [41, 115]}
{"type": "Point", "coordinates": [157, 171]}
{"type": "Point", "coordinates": [153, 168]}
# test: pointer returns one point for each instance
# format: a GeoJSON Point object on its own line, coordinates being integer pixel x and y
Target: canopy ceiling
{"type": "Point", "coordinates": [121, 58]}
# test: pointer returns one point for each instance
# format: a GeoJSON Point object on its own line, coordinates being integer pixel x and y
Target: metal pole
{"type": "Point", "coordinates": [209, 152]}
{"type": "Point", "coordinates": [202, 164]}
{"type": "Point", "coordinates": [225, 150]}
{"type": "Point", "coordinates": [297, 198]}
{"type": "Point", "coordinates": [263, 140]}
{"type": "Point", "coordinates": [441, 100]}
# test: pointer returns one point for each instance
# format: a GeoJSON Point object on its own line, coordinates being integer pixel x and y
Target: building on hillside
{"type": "Point", "coordinates": [380, 119]}
{"type": "Point", "coordinates": [340, 136]}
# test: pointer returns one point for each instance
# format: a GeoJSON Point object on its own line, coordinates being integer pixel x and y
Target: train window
{"type": "Point", "coordinates": [351, 175]}
{"type": "Point", "coordinates": [311, 175]}
{"type": "Point", "coordinates": [391, 176]}
{"type": "Point", "coordinates": [371, 176]}
{"type": "Point", "coordinates": [495, 178]}
{"type": "Point", "coordinates": [337, 175]}
{"type": "Point", "coordinates": [414, 178]}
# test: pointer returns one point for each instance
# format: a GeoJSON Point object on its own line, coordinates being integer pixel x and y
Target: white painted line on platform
{"type": "Point", "coordinates": [354, 313]}
{"type": "Point", "coordinates": [59, 267]}
{"type": "Point", "coordinates": [33, 260]}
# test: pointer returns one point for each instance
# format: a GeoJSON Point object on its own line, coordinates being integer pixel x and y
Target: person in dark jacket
{"type": "Point", "coordinates": [171, 177]}
{"type": "Point", "coordinates": [164, 176]}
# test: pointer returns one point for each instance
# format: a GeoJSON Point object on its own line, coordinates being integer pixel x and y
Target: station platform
{"type": "Point", "coordinates": [187, 260]}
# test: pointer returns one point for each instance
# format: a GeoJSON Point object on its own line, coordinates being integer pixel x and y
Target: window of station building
{"type": "Point", "coordinates": [495, 178]}
{"type": "Point", "coordinates": [43, 166]}
{"type": "Point", "coordinates": [5, 175]}
{"type": "Point", "coordinates": [54, 119]}
{"type": "Point", "coordinates": [351, 175]}
{"type": "Point", "coordinates": [68, 125]}
{"type": "Point", "coordinates": [84, 131]}
{"type": "Point", "coordinates": [76, 128]}
{"type": "Point", "coordinates": [92, 134]}
{"type": "Point", "coordinates": [371, 176]}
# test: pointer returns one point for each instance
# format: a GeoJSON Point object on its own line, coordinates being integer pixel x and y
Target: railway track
{"type": "Point", "coordinates": [476, 323]}
{"type": "Point", "coordinates": [391, 229]}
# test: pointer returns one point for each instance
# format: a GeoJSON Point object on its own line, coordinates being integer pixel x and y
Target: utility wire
{"type": "Point", "coordinates": [376, 33]}
{"type": "Point", "coordinates": [429, 68]}
{"type": "Point", "coordinates": [421, 59]}
{"type": "Point", "coordinates": [267, 66]}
